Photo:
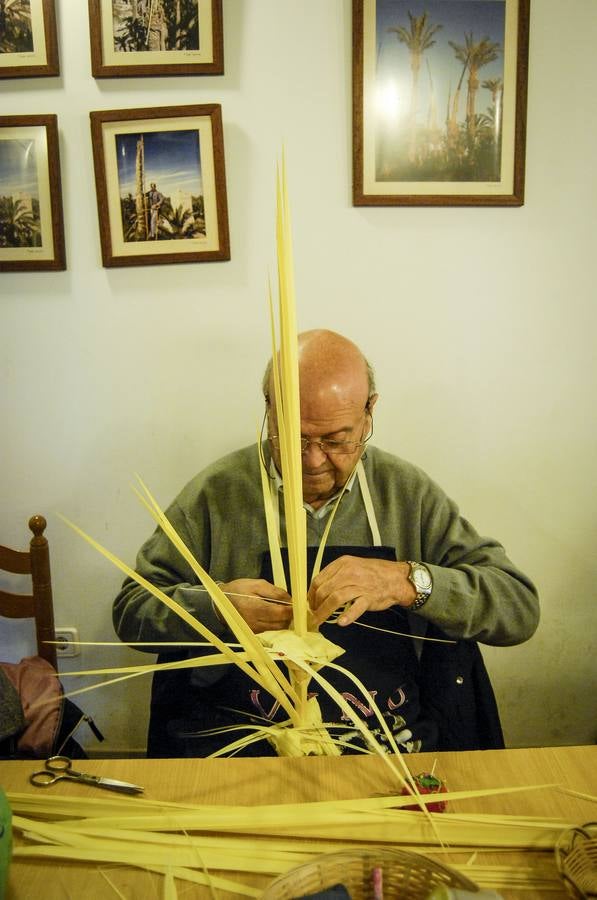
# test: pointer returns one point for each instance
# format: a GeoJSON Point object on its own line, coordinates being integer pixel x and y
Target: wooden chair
{"type": "Point", "coordinates": [37, 605]}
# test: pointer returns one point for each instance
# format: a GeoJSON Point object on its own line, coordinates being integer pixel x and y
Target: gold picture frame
{"type": "Point", "coordinates": [161, 185]}
{"type": "Point", "coordinates": [156, 37]}
{"type": "Point", "coordinates": [28, 40]}
{"type": "Point", "coordinates": [439, 102]}
{"type": "Point", "coordinates": [31, 224]}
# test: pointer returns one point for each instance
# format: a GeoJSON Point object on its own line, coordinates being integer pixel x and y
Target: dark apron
{"type": "Point", "coordinates": [386, 664]}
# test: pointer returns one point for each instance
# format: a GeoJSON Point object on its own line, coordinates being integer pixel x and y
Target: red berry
{"type": "Point", "coordinates": [428, 784]}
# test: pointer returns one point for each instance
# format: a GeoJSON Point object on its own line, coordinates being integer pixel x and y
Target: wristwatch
{"type": "Point", "coordinates": [420, 577]}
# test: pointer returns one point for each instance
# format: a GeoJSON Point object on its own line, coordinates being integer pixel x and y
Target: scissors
{"type": "Point", "coordinates": [60, 767]}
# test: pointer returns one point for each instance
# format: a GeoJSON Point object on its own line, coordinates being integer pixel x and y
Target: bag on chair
{"type": "Point", "coordinates": [36, 719]}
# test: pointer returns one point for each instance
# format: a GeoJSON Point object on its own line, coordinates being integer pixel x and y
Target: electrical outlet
{"type": "Point", "coordinates": [68, 642]}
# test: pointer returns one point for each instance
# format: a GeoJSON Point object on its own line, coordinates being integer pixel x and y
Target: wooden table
{"type": "Point", "coordinates": [264, 781]}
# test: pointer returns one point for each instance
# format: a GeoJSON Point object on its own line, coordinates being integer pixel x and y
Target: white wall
{"type": "Point", "coordinates": [481, 324]}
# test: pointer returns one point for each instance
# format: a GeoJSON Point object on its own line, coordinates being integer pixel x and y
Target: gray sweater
{"type": "Point", "coordinates": [478, 594]}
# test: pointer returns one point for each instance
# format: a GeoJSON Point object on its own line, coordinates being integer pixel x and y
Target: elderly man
{"type": "Point", "coordinates": [407, 586]}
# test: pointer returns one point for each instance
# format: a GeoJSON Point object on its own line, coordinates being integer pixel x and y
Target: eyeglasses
{"type": "Point", "coordinates": [330, 448]}
{"type": "Point", "coordinates": [326, 445]}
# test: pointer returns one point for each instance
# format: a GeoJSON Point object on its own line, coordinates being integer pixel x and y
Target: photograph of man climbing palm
{"type": "Point", "coordinates": [161, 184]}
{"type": "Point", "coordinates": [161, 189]}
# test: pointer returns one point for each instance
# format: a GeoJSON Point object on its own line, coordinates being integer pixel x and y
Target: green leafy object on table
{"type": "Point", "coordinates": [428, 784]}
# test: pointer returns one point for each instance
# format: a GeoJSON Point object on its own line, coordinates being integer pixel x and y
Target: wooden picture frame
{"type": "Point", "coordinates": [158, 37]}
{"type": "Point", "coordinates": [176, 152]}
{"type": "Point", "coordinates": [439, 102]}
{"type": "Point", "coordinates": [31, 224]}
{"type": "Point", "coordinates": [28, 40]}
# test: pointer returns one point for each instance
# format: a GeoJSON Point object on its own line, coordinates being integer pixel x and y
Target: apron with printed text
{"type": "Point", "coordinates": [378, 651]}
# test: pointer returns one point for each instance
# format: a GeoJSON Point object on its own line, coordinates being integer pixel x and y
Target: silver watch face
{"type": "Point", "coordinates": [421, 578]}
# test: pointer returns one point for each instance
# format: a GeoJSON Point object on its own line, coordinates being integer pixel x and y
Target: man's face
{"type": "Point", "coordinates": [335, 417]}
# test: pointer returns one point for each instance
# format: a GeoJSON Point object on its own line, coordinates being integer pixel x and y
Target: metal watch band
{"type": "Point", "coordinates": [419, 602]}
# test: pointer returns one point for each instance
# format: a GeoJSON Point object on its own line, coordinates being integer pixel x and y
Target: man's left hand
{"type": "Point", "coordinates": [361, 585]}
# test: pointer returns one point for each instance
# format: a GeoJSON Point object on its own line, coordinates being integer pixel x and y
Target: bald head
{"type": "Point", "coordinates": [332, 371]}
{"type": "Point", "coordinates": [327, 361]}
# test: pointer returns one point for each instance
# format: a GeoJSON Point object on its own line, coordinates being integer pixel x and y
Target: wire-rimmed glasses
{"type": "Point", "coordinates": [327, 445]}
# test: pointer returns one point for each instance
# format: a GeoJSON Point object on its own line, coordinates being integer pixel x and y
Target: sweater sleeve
{"type": "Point", "coordinates": [138, 615]}
{"type": "Point", "coordinates": [478, 593]}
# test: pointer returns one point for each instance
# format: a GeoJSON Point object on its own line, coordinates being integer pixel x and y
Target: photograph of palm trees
{"type": "Point", "coordinates": [439, 82]}
{"type": "Point", "coordinates": [20, 224]}
{"type": "Point", "coordinates": [160, 185]}
{"type": "Point", "coordinates": [156, 37]}
{"type": "Point", "coordinates": [16, 32]}
{"type": "Point", "coordinates": [31, 225]}
{"type": "Point", "coordinates": [28, 43]}
{"type": "Point", "coordinates": [155, 25]}
{"type": "Point", "coordinates": [439, 89]}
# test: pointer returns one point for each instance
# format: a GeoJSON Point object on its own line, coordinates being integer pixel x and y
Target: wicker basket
{"type": "Point", "coordinates": [576, 858]}
{"type": "Point", "coordinates": [406, 876]}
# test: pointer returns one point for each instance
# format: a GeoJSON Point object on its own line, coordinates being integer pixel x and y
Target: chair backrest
{"type": "Point", "coordinates": [37, 605]}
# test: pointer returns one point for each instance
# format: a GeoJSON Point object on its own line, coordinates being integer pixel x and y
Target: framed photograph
{"type": "Point", "coordinates": [439, 102]}
{"type": "Point", "coordinates": [31, 225]}
{"type": "Point", "coordinates": [161, 185]}
{"type": "Point", "coordinates": [156, 37]}
{"type": "Point", "coordinates": [28, 44]}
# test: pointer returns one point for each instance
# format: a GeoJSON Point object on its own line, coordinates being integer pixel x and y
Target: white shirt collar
{"type": "Point", "coordinates": [321, 511]}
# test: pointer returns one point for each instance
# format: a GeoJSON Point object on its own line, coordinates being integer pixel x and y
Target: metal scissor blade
{"type": "Point", "coordinates": [125, 787]}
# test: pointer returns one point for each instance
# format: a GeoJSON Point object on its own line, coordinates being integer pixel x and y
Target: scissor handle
{"type": "Point", "coordinates": [57, 768]}
{"type": "Point", "coordinates": [59, 764]}
{"type": "Point", "coordinates": [44, 778]}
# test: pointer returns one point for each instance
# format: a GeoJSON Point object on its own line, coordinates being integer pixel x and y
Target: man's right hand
{"type": "Point", "coordinates": [253, 598]}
